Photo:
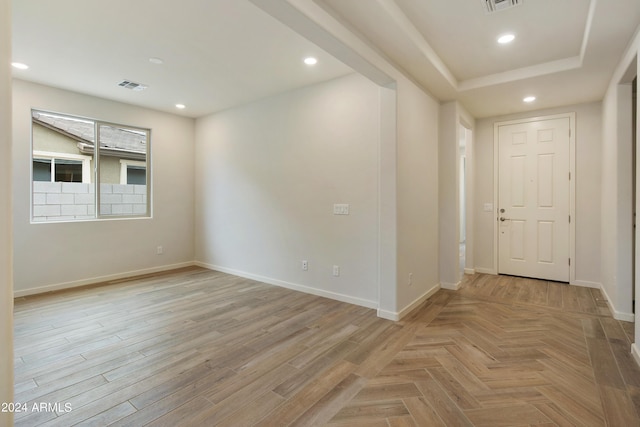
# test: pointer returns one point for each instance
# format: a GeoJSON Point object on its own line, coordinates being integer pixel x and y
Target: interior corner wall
{"type": "Point", "coordinates": [588, 189]}
{"type": "Point", "coordinates": [417, 194]}
{"type": "Point", "coordinates": [68, 254]}
{"type": "Point", "coordinates": [6, 288]}
{"type": "Point", "coordinates": [268, 174]}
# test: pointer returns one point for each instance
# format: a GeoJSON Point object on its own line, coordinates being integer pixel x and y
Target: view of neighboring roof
{"type": "Point", "coordinates": [82, 130]}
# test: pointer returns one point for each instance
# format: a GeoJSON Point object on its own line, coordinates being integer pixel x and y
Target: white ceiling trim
{"type": "Point", "coordinates": [355, 51]}
{"type": "Point", "coordinates": [302, 17]}
{"type": "Point", "coordinates": [415, 36]}
{"type": "Point", "coordinates": [587, 28]}
{"type": "Point", "coordinates": [537, 70]}
{"type": "Point", "coordinates": [407, 27]}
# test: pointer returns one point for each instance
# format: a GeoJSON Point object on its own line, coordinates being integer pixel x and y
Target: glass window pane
{"type": "Point", "coordinates": [62, 160]}
{"type": "Point", "coordinates": [121, 145]}
{"type": "Point", "coordinates": [68, 170]}
{"type": "Point", "coordinates": [42, 170]}
{"type": "Point", "coordinates": [136, 175]}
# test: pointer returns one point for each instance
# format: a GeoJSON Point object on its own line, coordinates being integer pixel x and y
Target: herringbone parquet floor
{"type": "Point", "coordinates": [515, 361]}
{"type": "Point", "coordinates": [201, 348]}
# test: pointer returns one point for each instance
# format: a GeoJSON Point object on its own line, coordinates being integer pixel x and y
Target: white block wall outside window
{"type": "Point", "coordinates": [70, 201]}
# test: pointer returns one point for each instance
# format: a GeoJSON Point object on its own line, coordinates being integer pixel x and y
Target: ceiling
{"type": "Point", "coordinates": [217, 53]}
{"type": "Point", "coordinates": [222, 53]}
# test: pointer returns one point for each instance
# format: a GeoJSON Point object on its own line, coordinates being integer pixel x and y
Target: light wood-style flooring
{"type": "Point", "coordinates": [195, 347]}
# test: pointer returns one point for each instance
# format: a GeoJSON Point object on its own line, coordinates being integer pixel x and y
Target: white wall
{"type": "Point", "coordinates": [588, 184]}
{"type": "Point", "coordinates": [6, 289]}
{"type": "Point", "coordinates": [616, 191]}
{"type": "Point", "coordinates": [53, 255]}
{"type": "Point", "coordinates": [448, 196]}
{"type": "Point", "coordinates": [267, 176]}
{"type": "Point", "coordinates": [417, 194]}
{"type": "Point", "coordinates": [616, 200]}
{"type": "Point", "coordinates": [617, 186]}
{"type": "Point", "coordinates": [451, 117]}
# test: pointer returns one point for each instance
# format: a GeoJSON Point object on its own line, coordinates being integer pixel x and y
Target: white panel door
{"type": "Point", "coordinates": [533, 199]}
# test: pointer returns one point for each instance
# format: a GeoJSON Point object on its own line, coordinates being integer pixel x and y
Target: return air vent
{"type": "Point", "coordinates": [491, 6]}
{"type": "Point", "coordinates": [132, 85]}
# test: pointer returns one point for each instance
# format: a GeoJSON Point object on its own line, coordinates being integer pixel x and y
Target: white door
{"type": "Point", "coordinates": [533, 199]}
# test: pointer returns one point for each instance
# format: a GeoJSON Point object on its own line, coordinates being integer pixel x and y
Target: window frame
{"type": "Point", "coordinates": [93, 174]}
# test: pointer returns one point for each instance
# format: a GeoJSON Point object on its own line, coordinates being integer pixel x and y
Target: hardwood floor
{"type": "Point", "coordinates": [200, 348]}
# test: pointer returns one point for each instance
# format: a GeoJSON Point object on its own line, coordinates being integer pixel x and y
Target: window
{"type": "Point", "coordinates": [79, 164]}
{"type": "Point", "coordinates": [133, 172]}
{"type": "Point", "coordinates": [61, 167]}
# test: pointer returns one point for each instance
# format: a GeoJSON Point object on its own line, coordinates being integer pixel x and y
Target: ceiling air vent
{"type": "Point", "coordinates": [132, 85]}
{"type": "Point", "coordinates": [491, 6]}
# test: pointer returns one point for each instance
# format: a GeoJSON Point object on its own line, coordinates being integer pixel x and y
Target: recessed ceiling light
{"type": "Point", "coordinates": [181, 106]}
{"type": "Point", "coordinates": [506, 38]}
{"type": "Point", "coordinates": [19, 65]}
{"type": "Point", "coordinates": [529, 99]}
{"type": "Point", "coordinates": [310, 60]}
{"type": "Point", "coordinates": [154, 60]}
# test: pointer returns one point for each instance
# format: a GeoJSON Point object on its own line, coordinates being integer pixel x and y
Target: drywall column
{"type": "Point", "coordinates": [387, 187]}
{"type": "Point", "coordinates": [469, 201]}
{"type": "Point", "coordinates": [6, 287]}
{"type": "Point", "coordinates": [448, 196]}
{"type": "Point", "coordinates": [623, 205]}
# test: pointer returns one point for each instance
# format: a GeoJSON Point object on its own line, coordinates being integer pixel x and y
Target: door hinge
{"type": "Point", "coordinates": [569, 176]}
{"type": "Point", "coordinates": [569, 261]}
{"type": "Point", "coordinates": [569, 133]}
{"type": "Point", "coordinates": [569, 219]}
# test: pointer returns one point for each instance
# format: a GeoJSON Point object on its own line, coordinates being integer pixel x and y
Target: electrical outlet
{"type": "Point", "coordinates": [305, 264]}
{"type": "Point", "coordinates": [159, 250]}
{"type": "Point", "coordinates": [410, 279]}
{"type": "Point", "coordinates": [341, 209]}
{"type": "Point", "coordinates": [336, 270]}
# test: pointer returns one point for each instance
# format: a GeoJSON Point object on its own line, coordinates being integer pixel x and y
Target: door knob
{"type": "Point", "coordinates": [504, 219]}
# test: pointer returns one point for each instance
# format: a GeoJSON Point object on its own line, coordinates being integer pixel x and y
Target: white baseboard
{"type": "Point", "coordinates": [293, 286]}
{"type": "Point", "coordinates": [586, 284]}
{"type": "Point", "coordinates": [618, 315]}
{"type": "Point", "coordinates": [482, 270]}
{"type": "Point", "coordinates": [389, 315]}
{"type": "Point", "coordinates": [99, 279]}
{"type": "Point", "coordinates": [635, 352]}
{"type": "Point", "coordinates": [395, 316]}
{"type": "Point", "coordinates": [469, 271]}
{"type": "Point", "coordinates": [450, 286]}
